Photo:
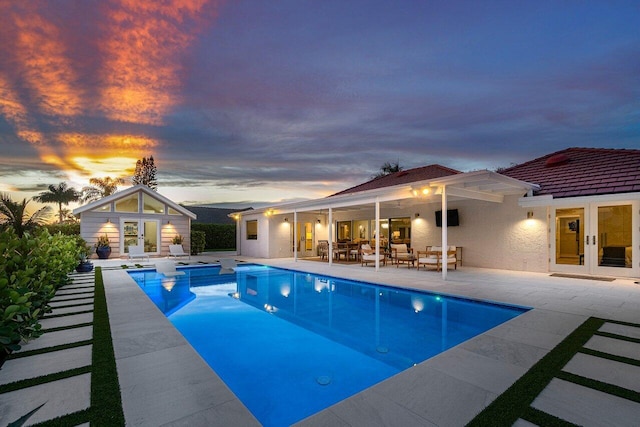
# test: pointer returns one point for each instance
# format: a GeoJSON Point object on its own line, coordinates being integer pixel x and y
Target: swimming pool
{"type": "Point", "coordinates": [290, 344]}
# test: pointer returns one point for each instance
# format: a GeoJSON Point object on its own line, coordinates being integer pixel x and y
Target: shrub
{"type": "Point", "coordinates": [177, 240]}
{"type": "Point", "coordinates": [34, 268]}
{"type": "Point", "coordinates": [197, 242]}
{"type": "Point", "coordinates": [217, 236]}
{"type": "Point", "coordinates": [66, 229]}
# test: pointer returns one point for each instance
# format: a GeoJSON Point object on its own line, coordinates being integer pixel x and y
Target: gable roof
{"type": "Point", "coordinates": [408, 176]}
{"type": "Point", "coordinates": [577, 172]}
{"type": "Point", "coordinates": [127, 192]}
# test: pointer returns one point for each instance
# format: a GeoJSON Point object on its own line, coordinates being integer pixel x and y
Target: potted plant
{"type": "Point", "coordinates": [84, 250]}
{"type": "Point", "coordinates": [177, 240]}
{"type": "Point", "coordinates": [102, 247]}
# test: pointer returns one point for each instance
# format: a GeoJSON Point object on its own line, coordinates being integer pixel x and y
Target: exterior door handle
{"type": "Point", "coordinates": [594, 239]}
{"type": "Point", "coordinates": [587, 240]}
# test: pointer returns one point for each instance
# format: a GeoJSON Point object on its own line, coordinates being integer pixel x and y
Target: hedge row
{"type": "Point", "coordinates": [32, 268]}
{"type": "Point", "coordinates": [217, 236]}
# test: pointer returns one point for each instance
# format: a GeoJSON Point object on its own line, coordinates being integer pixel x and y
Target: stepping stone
{"type": "Point", "coordinates": [584, 406]}
{"type": "Point", "coordinates": [75, 301]}
{"type": "Point", "coordinates": [69, 310]}
{"type": "Point", "coordinates": [627, 331]}
{"type": "Point", "coordinates": [614, 346]}
{"type": "Point", "coordinates": [79, 288]}
{"type": "Point", "coordinates": [72, 297]}
{"type": "Point", "coordinates": [81, 291]}
{"type": "Point", "coordinates": [44, 364]}
{"type": "Point", "coordinates": [72, 319]}
{"type": "Point", "coordinates": [605, 370]}
{"type": "Point", "coordinates": [67, 336]}
{"type": "Point", "coordinates": [59, 397]}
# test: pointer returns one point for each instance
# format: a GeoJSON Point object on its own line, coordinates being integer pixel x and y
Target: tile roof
{"type": "Point", "coordinates": [577, 172]}
{"type": "Point", "coordinates": [403, 177]}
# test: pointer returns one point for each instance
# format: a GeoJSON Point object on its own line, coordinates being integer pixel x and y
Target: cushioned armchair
{"type": "Point", "coordinates": [401, 253]}
{"type": "Point", "coordinates": [368, 255]}
{"type": "Point", "coordinates": [434, 257]}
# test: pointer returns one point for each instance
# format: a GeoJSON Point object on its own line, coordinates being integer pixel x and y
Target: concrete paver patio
{"type": "Point", "coordinates": [165, 382]}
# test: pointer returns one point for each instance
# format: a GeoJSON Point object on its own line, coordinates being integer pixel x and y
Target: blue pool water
{"type": "Point", "coordinates": [290, 344]}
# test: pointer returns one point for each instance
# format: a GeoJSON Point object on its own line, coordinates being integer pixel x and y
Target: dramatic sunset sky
{"type": "Point", "coordinates": [250, 101]}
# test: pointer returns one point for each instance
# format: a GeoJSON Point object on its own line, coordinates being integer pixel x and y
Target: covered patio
{"type": "Point", "coordinates": [406, 200]}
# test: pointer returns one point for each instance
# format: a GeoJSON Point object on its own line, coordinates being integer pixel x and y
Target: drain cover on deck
{"type": "Point", "coordinates": [323, 379]}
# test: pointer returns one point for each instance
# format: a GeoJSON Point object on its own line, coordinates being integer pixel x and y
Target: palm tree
{"type": "Point", "coordinates": [388, 168]}
{"type": "Point", "coordinates": [59, 194]}
{"type": "Point", "coordinates": [14, 214]}
{"type": "Point", "coordinates": [101, 187]}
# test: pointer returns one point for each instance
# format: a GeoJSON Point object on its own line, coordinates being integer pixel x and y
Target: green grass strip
{"type": "Point", "coordinates": [53, 316]}
{"type": "Point", "coordinates": [43, 379]}
{"type": "Point", "coordinates": [106, 402]}
{"type": "Point", "coordinates": [511, 404]}
{"type": "Point", "coordinates": [64, 328]}
{"type": "Point", "coordinates": [48, 349]}
{"type": "Point", "coordinates": [618, 337]}
{"type": "Point", "coordinates": [541, 418]}
{"type": "Point", "coordinates": [74, 419]}
{"type": "Point", "coordinates": [612, 389]}
{"type": "Point", "coordinates": [610, 356]}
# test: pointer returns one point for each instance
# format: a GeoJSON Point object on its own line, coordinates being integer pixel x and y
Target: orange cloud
{"type": "Point", "coordinates": [45, 65]}
{"type": "Point", "coordinates": [141, 72]}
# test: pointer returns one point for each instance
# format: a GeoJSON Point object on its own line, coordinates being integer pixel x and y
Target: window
{"type": "Point", "coordinates": [252, 229]}
{"type": "Point", "coordinates": [344, 230]}
{"type": "Point", "coordinates": [128, 204]}
{"type": "Point", "coordinates": [173, 212]}
{"type": "Point", "coordinates": [152, 205]}
{"type": "Point", "coordinates": [103, 208]}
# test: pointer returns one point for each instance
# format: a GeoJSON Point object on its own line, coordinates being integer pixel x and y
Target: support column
{"type": "Point", "coordinates": [377, 234]}
{"type": "Point", "coordinates": [329, 238]}
{"type": "Point", "coordinates": [295, 235]}
{"type": "Point", "coordinates": [445, 243]}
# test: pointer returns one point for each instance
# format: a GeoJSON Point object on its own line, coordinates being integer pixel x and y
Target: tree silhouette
{"type": "Point", "coordinates": [60, 194]}
{"type": "Point", "coordinates": [101, 187]}
{"type": "Point", "coordinates": [14, 214]}
{"type": "Point", "coordinates": [145, 173]}
{"type": "Point", "coordinates": [388, 168]}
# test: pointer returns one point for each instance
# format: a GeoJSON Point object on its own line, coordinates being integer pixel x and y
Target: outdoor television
{"type": "Point", "coordinates": [452, 218]}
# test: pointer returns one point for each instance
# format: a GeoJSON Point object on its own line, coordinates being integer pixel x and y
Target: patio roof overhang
{"type": "Point", "coordinates": [479, 185]}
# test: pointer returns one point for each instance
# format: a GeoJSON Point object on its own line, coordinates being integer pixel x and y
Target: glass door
{"type": "Point", "coordinates": [569, 238]}
{"type": "Point", "coordinates": [597, 238]}
{"type": "Point", "coordinates": [140, 232]}
{"type": "Point", "coordinates": [304, 246]}
{"type": "Point", "coordinates": [612, 239]}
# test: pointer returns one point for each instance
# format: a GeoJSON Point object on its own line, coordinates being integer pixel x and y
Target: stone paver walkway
{"type": "Point", "coordinates": [67, 324]}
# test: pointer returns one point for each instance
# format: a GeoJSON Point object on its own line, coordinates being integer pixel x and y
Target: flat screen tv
{"type": "Point", "coordinates": [452, 218]}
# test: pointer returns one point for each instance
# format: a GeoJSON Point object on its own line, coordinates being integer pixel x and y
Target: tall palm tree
{"type": "Point", "coordinates": [15, 215]}
{"type": "Point", "coordinates": [60, 194]}
{"type": "Point", "coordinates": [101, 187]}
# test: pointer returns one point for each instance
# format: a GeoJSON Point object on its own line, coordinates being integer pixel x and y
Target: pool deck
{"type": "Point", "coordinates": [164, 381]}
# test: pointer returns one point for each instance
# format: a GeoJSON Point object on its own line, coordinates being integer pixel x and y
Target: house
{"type": "Point", "coordinates": [575, 210]}
{"type": "Point", "coordinates": [135, 216]}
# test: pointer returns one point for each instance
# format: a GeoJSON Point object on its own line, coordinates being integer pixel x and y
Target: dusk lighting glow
{"type": "Point", "coordinates": [250, 103]}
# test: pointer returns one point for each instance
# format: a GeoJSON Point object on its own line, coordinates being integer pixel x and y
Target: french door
{"type": "Point", "coordinates": [145, 232]}
{"type": "Point", "coordinates": [304, 245]}
{"type": "Point", "coordinates": [596, 238]}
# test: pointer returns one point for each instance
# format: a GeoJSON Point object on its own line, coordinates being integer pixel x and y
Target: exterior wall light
{"type": "Point", "coordinates": [417, 214]}
{"type": "Point", "coordinates": [529, 214]}
{"type": "Point", "coordinates": [286, 220]}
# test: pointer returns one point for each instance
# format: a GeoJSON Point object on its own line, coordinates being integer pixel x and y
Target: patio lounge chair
{"type": "Point", "coordinates": [433, 257]}
{"type": "Point", "coordinates": [368, 255]}
{"type": "Point", "coordinates": [168, 268]}
{"type": "Point", "coordinates": [177, 251]}
{"type": "Point", "coordinates": [137, 251]}
{"type": "Point", "coordinates": [401, 253]}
